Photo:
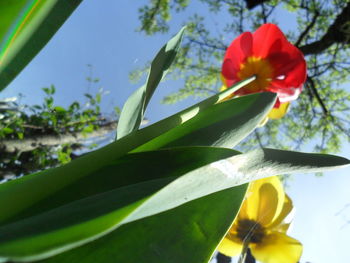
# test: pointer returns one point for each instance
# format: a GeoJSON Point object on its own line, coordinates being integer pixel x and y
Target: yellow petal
{"type": "Point", "coordinates": [268, 204]}
{"type": "Point", "coordinates": [277, 248]}
{"type": "Point", "coordinates": [287, 208]}
{"type": "Point", "coordinates": [263, 122]}
{"type": "Point", "coordinates": [223, 87]}
{"type": "Point", "coordinates": [230, 246]}
{"type": "Point", "coordinates": [277, 113]}
{"type": "Point", "coordinates": [264, 201]}
{"type": "Point", "coordinates": [223, 80]}
{"type": "Point", "coordinates": [282, 228]}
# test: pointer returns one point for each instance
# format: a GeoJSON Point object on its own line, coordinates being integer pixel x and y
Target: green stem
{"type": "Point", "coordinates": [235, 87]}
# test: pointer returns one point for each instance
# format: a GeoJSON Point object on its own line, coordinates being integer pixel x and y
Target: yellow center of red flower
{"type": "Point", "coordinates": [259, 67]}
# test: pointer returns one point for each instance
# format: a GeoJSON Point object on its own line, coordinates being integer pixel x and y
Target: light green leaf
{"type": "Point", "coordinates": [25, 28]}
{"type": "Point", "coordinates": [134, 108]}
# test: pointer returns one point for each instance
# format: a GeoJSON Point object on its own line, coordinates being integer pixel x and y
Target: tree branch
{"type": "Point", "coordinates": [253, 3]}
{"type": "Point", "coordinates": [200, 43]}
{"type": "Point", "coordinates": [336, 33]}
{"type": "Point", "coordinates": [33, 142]}
{"type": "Point", "coordinates": [307, 29]}
{"type": "Point", "coordinates": [310, 84]}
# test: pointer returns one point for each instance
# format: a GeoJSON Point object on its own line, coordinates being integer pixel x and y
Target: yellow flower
{"type": "Point", "coordinates": [261, 219]}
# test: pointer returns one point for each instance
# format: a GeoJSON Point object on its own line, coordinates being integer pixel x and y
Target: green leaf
{"type": "Point", "coordinates": [189, 233]}
{"type": "Point", "coordinates": [104, 201]}
{"type": "Point", "coordinates": [90, 218]}
{"type": "Point", "coordinates": [25, 28]}
{"type": "Point", "coordinates": [59, 109]}
{"type": "Point", "coordinates": [237, 170]}
{"type": "Point", "coordinates": [73, 224]}
{"type": "Point", "coordinates": [22, 193]}
{"type": "Point", "coordinates": [134, 108]}
{"type": "Point", "coordinates": [224, 124]}
{"type": "Point", "coordinates": [7, 130]}
{"type": "Point", "coordinates": [20, 135]}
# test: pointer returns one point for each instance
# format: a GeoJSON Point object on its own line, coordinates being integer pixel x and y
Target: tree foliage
{"type": "Point", "coordinates": [321, 115]}
{"type": "Point", "coordinates": [35, 137]}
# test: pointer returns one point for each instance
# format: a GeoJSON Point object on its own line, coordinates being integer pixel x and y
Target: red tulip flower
{"type": "Point", "coordinates": [279, 66]}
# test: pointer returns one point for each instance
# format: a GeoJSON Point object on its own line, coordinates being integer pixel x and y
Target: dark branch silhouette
{"type": "Point", "coordinates": [338, 32]}
{"type": "Point", "coordinates": [253, 3]}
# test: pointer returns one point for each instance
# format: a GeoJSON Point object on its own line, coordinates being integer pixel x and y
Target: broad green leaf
{"type": "Point", "coordinates": [189, 233]}
{"type": "Point", "coordinates": [176, 191]}
{"type": "Point", "coordinates": [25, 28]}
{"type": "Point", "coordinates": [71, 225]}
{"type": "Point", "coordinates": [134, 108]}
{"type": "Point", "coordinates": [233, 171]}
{"type": "Point", "coordinates": [22, 193]}
{"type": "Point", "coordinates": [103, 208]}
{"type": "Point", "coordinates": [127, 170]}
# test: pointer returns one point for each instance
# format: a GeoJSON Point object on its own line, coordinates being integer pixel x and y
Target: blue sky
{"type": "Point", "coordinates": [102, 33]}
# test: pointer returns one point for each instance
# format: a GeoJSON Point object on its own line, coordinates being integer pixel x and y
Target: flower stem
{"type": "Point", "coordinates": [244, 251]}
{"type": "Point", "coordinates": [229, 91]}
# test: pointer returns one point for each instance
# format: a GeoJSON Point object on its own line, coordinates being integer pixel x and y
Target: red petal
{"type": "Point", "coordinates": [291, 74]}
{"type": "Point", "coordinates": [267, 39]}
{"type": "Point", "coordinates": [277, 104]}
{"type": "Point", "coordinates": [240, 49]}
{"type": "Point", "coordinates": [229, 70]}
{"type": "Point", "coordinates": [289, 61]}
{"type": "Point", "coordinates": [236, 54]}
{"type": "Point", "coordinates": [246, 44]}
